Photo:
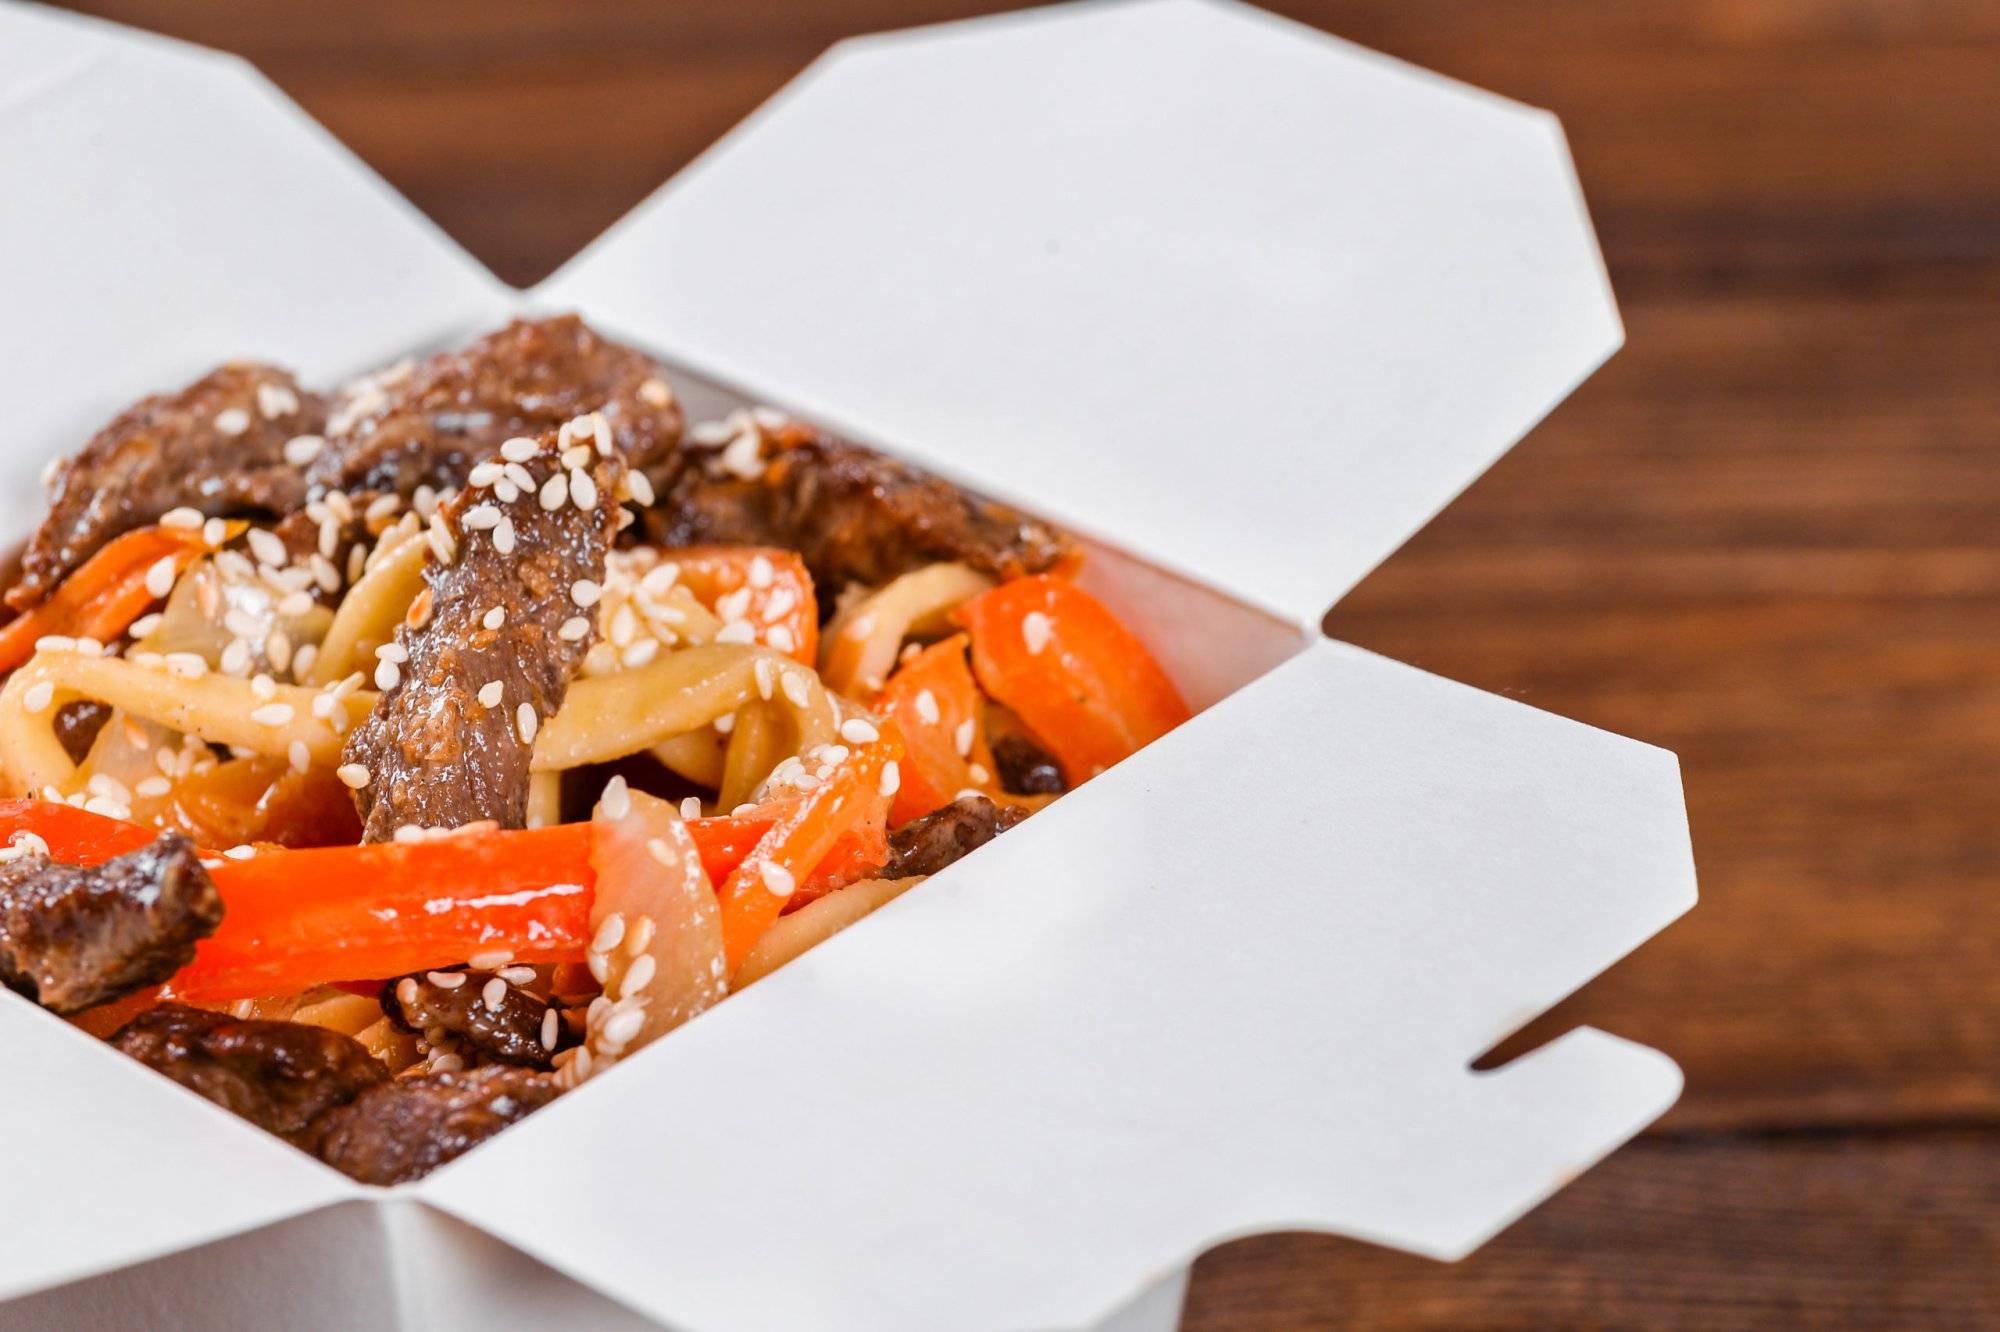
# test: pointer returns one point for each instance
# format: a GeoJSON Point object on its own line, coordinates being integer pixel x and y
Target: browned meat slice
{"type": "Point", "coordinates": [928, 844]}
{"type": "Point", "coordinates": [77, 725]}
{"type": "Point", "coordinates": [1025, 767]}
{"type": "Point", "coordinates": [72, 937]}
{"type": "Point", "coordinates": [510, 1032]}
{"type": "Point", "coordinates": [218, 445]}
{"type": "Point", "coordinates": [428, 424]}
{"type": "Point", "coordinates": [508, 624]}
{"type": "Point", "coordinates": [854, 514]}
{"type": "Point", "coordinates": [278, 1075]}
{"type": "Point", "coordinates": [405, 1129]}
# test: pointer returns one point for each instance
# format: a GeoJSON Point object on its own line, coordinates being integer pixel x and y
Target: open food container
{"type": "Point", "coordinates": [1239, 303]}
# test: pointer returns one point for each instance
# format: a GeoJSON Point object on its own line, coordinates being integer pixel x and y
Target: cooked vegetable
{"type": "Point", "coordinates": [934, 705]}
{"type": "Point", "coordinates": [1078, 679]}
{"type": "Point", "coordinates": [814, 924]}
{"type": "Point", "coordinates": [656, 941]}
{"type": "Point", "coordinates": [863, 640]}
{"type": "Point", "coordinates": [763, 587]}
{"type": "Point", "coordinates": [849, 797]}
{"type": "Point", "coordinates": [109, 591]}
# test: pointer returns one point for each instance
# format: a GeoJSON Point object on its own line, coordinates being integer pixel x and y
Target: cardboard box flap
{"type": "Point", "coordinates": [1194, 999]}
{"type": "Point", "coordinates": [110, 1164]}
{"type": "Point", "coordinates": [169, 209]}
{"type": "Point", "coordinates": [1202, 281]}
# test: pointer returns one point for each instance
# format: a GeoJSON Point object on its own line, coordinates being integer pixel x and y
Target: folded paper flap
{"type": "Point", "coordinates": [1194, 997]}
{"type": "Point", "coordinates": [1200, 281]}
{"type": "Point", "coordinates": [171, 210]}
{"type": "Point", "coordinates": [109, 1164]}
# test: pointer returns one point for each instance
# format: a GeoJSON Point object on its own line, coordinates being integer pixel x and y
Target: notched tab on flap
{"type": "Point", "coordinates": [1232, 984]}
{"type": "Point", "coordinates": [1240, 297]}
{"type": "Point", "coordinates": [171, 211]}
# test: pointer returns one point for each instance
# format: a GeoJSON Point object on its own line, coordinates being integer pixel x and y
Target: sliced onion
{"type": "Point", "coordinates": [860, 646]}
{"type": "Point", "coordinates": [816, 922]}
{"type": "Point", "coordinates": [655, 911]}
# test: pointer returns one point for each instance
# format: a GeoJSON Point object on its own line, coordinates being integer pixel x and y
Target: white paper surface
{"type": "Point", "coordinates": [1245, 300]}
{"type": "Point", "coordinates": [1203, 282]}
{"type": "Point", "coordinates": [113, 1164]}
{"type": "Point", "coordinates": [165, 209]}
{"type": "Point", "coordinates": [1232, 985]}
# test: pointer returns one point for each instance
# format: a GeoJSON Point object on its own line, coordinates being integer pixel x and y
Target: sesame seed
{"type": "Point", "coordinates": [303, 659]}
{"type": "Point", "coordinates": [295, 604]}
{"type": "Point", "coordinates": [656, 393]}
{"type": "Point", "coordinates": [302, 449]}
{"type": "Point", "coordinates": [690, 807]}
{"type": "Point", "coordinates": [152, 787]}
{"type": "Point", "coordinates": [638, 976]}
{"type": "Point", "coordinates": [761, 572]}
{"type": "Point", "coordinates": [299, 754]}
{"type": "Point", "coordinates": [892, 778]}
{"type": "Point", "coordinates": [240, 852]}
{"type": "Point", "coordinates": [617, 798]}
{"type": "Point", "coordinates": [55, 643]}
{"type": "Point", "coordinates": [519, 449]}
{"type": "Point", "coordinates": [609, 932]}
{"type": "Point", "coordinates": [725, 723]}
{"type": "Point", "coordinates": [526, 722]}
{"type": "Point", "coordinates": [357, 563]}
{"type": "Point", "coordinates": [160, 577]}
{"type": "Point", "coordinates": [583, 490]}
{"type": "Point", "coordinates": [737, 631]}
{"type": "Point", "coordinates": [382, 508]}
{"type": "Point", "coordinates": [395, 652]}
{"type": "Point", "coordinates": [275, 400]}
{"type": "Point", "coordinates": [522, 479]}
{"type": "Point", "coordinates": [554, 493]}
{"type": "Point", "coordinates": [733, 605]}
{"type": "Point", "coordinates": [796, 688]}
{"type": "Point", "coordinates": [961, 737]}
{"type": "Point", "coordinates": [354, 775]}
{"type": "Point", "coordinates": [37, 697]}
{"type": "Point", "coordinates": [480, 517]}
{"type": "Point", "coordinates": [927, 707]}
{"type": "Point", "coordinates": [445, 980]}
{"type": "Point", "coordinates": [1035, 630]}
{"type": "Point", "coordinates": [266, 547]}
{"type": "Point", "coordinates": [443, 544]}
{"type": "Point", "coordinates": [978, 773]}
{"type": "Point", "coordinates": [623, 1027]}
{"type": "Point", "coordinates": [232, 421]}
{"type": "Point", "coordinates": [585, 593]}
{"type": "Point", "coordinates": [183, 517]}
{"type": "Point", "coordinates": [263, 686]}
{"type": "Point", "coordinates": [235, 657]}
{"type": "Point", "coordinates": [278, 647]}
{"type": "Point", "coordinates": [863, 626]}
{"type": "Point", "coordinates": [493, 994]}
{"type": "Point", "coordinates": [780, 637]}
{"type": "Point", "coordinates": [858, 731]}
{"type": "Point", "coordinates": [273, 714]}
{"type": "Point", "coordinates": [494, 618]}
{"type": "Point", "coordinates": [506, 491]}
{"type": "Point", "coordinates": [638, 489]}
{"type": "Point", "coordinates": [409, 832]}
{"type": "Point", "coordinates": [387, 675]}
{"type": "Point", "coordinates": [659, 580]}
{"type": "Point", "coordinates": [574, 628]}
{"type": "Point", "coordinates": [503, 536]}
{"type": "Point", "coordinates": [329, 537]}
{"type": "Point", "coordinates": [491, 693]}
{"type": "Point", "coordinates": [777, 878]}
{"type": "Point", "coordinates": [492, 960]}
{"type": "Point", "coordinates": [640, 653]}
{"type": "Point", "coordinates": [214, 532]}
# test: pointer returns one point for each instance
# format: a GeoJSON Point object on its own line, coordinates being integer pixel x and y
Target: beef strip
{"type": "Point", "coordinates": [405, 1129]}
{"type": "Point", "coordinates": [280, 1076]}
{"type": "Point", "coordinates": [855, 515]}
{"type": "Point", "coordinates": [1025, 767]}
{"type": "Point", "coordinates": [428, 424]}
{"type": "Point", "coordinates": [72, 937]}
{"type": "Point", "coordinates": [436, 756]}
{"type": "Point", "coordinates": [928, 844]}
{"type": "Point", "coordinates": [511, 1033]}
{"type": "Point", "coordinates": [217, 446]}
{"type": "Point", "coordinates": [77, 725]}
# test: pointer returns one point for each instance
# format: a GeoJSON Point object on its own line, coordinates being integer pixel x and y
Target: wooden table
{"type": "Point", "coordinates": [1764, 537]}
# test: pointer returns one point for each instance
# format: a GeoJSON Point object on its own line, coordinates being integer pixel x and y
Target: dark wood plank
{"type": "Point", "coordinates": [1751, 1233]}
{"type": "Point", "coordinates": [1765, 537]}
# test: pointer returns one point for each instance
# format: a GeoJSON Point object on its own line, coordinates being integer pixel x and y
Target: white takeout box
{"type": "Point", "coordinates": [1241, 302]}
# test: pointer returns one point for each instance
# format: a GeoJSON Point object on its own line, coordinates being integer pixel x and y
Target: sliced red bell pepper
{"type": "Point", "coordinates": [758, 889]}
{"type": "Point", "coordinates": [1078, 679]}
{"type": "Point", "coordinates": [780, 606]}
{"type": "Point", "coordinates": [72, 835]}
{"type": "Point", "coordinates": [933, 702]}
{"type": "Point", "coordinates": [296, 919]}
{"type": "Point", "coordinates": [106, 593]}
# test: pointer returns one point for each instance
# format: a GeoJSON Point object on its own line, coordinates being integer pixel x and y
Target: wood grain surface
{"type": "Point", "coordinates": [1767, 536]}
